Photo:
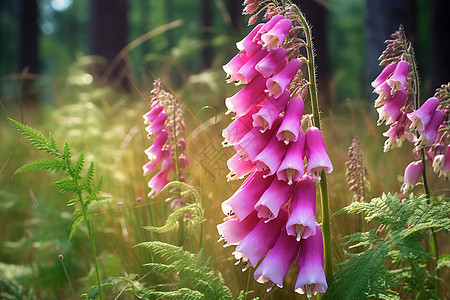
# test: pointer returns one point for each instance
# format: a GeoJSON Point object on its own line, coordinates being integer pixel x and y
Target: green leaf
{"type": "Point", "coordinates": [67, 185]}
{"type": "Point", "coordinates": [195, 215]}
{"type": "Point", "coordinates": [78, 167]}
{"type": "Point", "coordinates": [89, 176]}
{"type": "Point", "coordinates": [443, 261]}
{"type": "Point", "coordinates": [74, 226]}
{"type": "Point", "coordinates": [46, 164]}
{"type": "Point", "coordinates": [37, 139]}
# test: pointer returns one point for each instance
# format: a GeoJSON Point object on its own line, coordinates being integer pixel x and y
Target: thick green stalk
{"type": "Point", "coordinates": [418, 279]}
{"type": "Point", "coordinates": [326, 223]}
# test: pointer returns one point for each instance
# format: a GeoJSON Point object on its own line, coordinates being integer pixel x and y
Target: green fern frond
{"type": "Point", "coordinates": [67, 185]}
{"type": "Point", "coordinates": [195, 216]}
{"type": "Point", "coordinates": [78, 167]}
{"type": "Point", "coordinates": [37, 139]}
{"type": "Point", "coordinates": [45, 164]}
{"type": "Point", "coordinates": [362, 239]}
{"type": "Point", "coordinates": [193, 273]}
{"type": "Point", "coordinates": [74, 226]}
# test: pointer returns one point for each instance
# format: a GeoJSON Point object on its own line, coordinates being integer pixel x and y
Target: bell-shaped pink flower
{"type": "Point", "coordinates": [247, 72]}
{"type": "Point", "coordinates": [248, 44]}
{"type": "Point", "coordinates": [445, 170]}
{"type": "Point", "coordinates": [412, 175]}
{"type": "Point", "coordinates": [398, 78]}
{"type": "Point", "coordinates": [276, 195]}
{"type": "Point", "coordinates": [153, 113]}
{"type": "Point", "coordinates": [387, 71]}
{"type": "Point", "coordinates": [157, 125]}
{"type": "Point", "coordinates": [277, 263]}
{"type": "Point", "coordinates": [233, 66]}
{"type": "Point", "coordinates": [154, 152]}
{"type": "Point", "coordinates": [429, 134]}
{"type": "Point", "coordinates": [281, 80]}
{"type": "Point", "coordinates": [272, 62]}
{"type": "Point", "coordinates": [301, 222]}
{"type": "Point", "coordinates": [384, 92]}
{"type": "Point", "coordinates": [275, 37]}
{"type": "Point", "coordinates": [234, 230]}
{"type": "Point", "coordinates": [316, 153]}
{"type": "Point", "coordinates": [255, 141]}
{"type": "Point", "coordinates": [183, 161]}
{"type": "Point", "coordinates": [237, 129]}
{"type": "Point", "coordinates": [239, 166]}
{"type": "Point", "coordinates": [260, 240]}
{"type": "Point", "coordinates": [242, 202]}
{"type": "Point", "coordinates": [267, 26]}
{"type": "Point", "coordinates": [421, 117]}
{"type": "Point", "coordinates": [159, 181]}
{"type": "Point", "coordinates": [248, 97]}
{"type": "Point", "coordinates": [291, 168]}
{"type": "Point", "coordinates": [311, 277]}
{"type": "Point", "coordinates": [390, 112]}
{"type": "Point", "coordinates": [270, 111]}
{"type": "Point", "coordinates": [290, 126]}
{"type": "Point", "coordinates": [270, 158]}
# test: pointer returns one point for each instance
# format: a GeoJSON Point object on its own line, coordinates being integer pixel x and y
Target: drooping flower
{"type": "Point", "coordinates": [387, 71]}
{"type": "Point", "coordinates": [290, 126]}
{"type": "Point", "coordinates": [421, 117]}
{"type": "Point", "coordinates": [273, 62]}
{"type": "Point", "coordinates": [311, 277]}
{"type": "Point", "coordinates": [274, 198]}
{"type": "Point", "coordinates": [390, 112]}
{"type": "Point", "coordinates": [233, 230]}
{"type": "Point", "coordinates": [398, 78]}
{"type": "Point", "coordinates": [316, 153]}
{"type": "Point", "coordinates": [413, 172]}
{"type": "Point", "coordinates": [291, 168]}
{"type": "Point", "coordinates": [277, 263]}
{"type": "Point", "coordinates": [301, 222]}
{"type": "Point", "coordinates": [280, 81]}
{"type": "Point", "coordinates": [429, 134]}
{"type": "Point", "coordinates": [270, 111]}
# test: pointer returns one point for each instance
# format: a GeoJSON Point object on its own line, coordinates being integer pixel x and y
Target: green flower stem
{"type": "Point", "coordinates": [91, 242]}
{"type": "Point", "coordinates": [326, 224]}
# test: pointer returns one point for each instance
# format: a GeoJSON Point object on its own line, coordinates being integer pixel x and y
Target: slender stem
{"type": "Point", "coordinates": [418, 279]}
{"type": "Point", "coordinates": [91, 242]}
{"type": "Point", "coordinates": [248, 283]}
{"type": "Point", "coordinates": [326, 224]}
{"type": "Point", "coordinates": [61, 258]}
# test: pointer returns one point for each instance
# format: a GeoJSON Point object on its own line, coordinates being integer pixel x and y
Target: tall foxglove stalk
{"type": "Point", "coordinates": [424, 124]}
{"type": "Point", "coordinates": [271, 143]}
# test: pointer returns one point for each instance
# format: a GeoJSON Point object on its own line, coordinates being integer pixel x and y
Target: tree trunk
{"type": "Point", "coordinates": [28, 49]}
{"type": "Point", "coordinates": [440, 48]}
{"type": "Point", "coordinates": [107, 35]}
{"type": "Point", "coordinates": [235, 8]}
{"type": "Point", "coordinates": [206, 31]}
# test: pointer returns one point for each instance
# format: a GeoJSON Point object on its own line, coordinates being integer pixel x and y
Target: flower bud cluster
{"type": "Point", "coordinates": [165, 125]}
{"type": "Point", "coordinates": [356, 171]}
{"type": "Point", "coordinates": [270, 218]}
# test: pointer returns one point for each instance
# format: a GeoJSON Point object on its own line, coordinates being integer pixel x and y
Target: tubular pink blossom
{"type": "Point", "coordinates": [301, 223]}
{"type": "Point", "coordinates": [387, 71]}
{"type": "Point", "coordinates": [311, 277]}
{"type": "Point", "coordinates": [239, 166]}
{"type": "Point", "coordinates": [445, 171]}
{"type": "Point", "coordinates": [234, 230]}
{"type": "Point", "coordinates": [237, 129]}
{"type": "Point", "coordinates": [290, 126]}
{"type": "Point", "coordinates": [158, 182]}
{"type": "Point", "coordinates": [280, 81]}
{"type": "Point", "coordinates": [157, 125]}
{"type": "Point", "coordinates": [275, 37]}
{"type": "Point", "coordinates": [153, 113]}
{"type": "Point", "coordinates": [384, 91]}
{"type": "Point", "coordinates": [429, 134]}
{"type": "Point", "coordinates": [260, 240]}
{"type": "Point", "coordinates": [276, 195]}
{"type": "Point", "coordinates": [270, 158]}
{"type": "Point", "coordinates": [412, 175]}
{"type": "Point", "coordinates": [267, 26]}
{"type": "Point", "coordinates": [316, 153]}
{"type": "Point", "coordinates": [396, 135]}
{"type": "Point", "coordinates": [255, 141]}
{"type": "Point", "coordinates": [233, 66]}
{"type": "Point", "coordinates": [277, 263]}
{"type": "Point", "coordinates": [154, 152]}
{"type": "Point", "coordinates": [247, 98]}
{"type": "Point", "coordinates": [398, 79]}
{"type": "Point", "coordinates": [248, 44]}
{"type": "Point", "coordinates": [270, 111]}
{"type": "Point", "coordinates": [390, 112]}
{"type": "Point", "coordinates": [291, 169]}
{"type": "Point", "coordinates": [244, 199]}
{"type": "Point", "coordinates": [183, 161]}
{"type": "Point", "coordinates": [421, 117]}
{"type": "Point", "coordinates": [247, 72]}
{"type": "Point", "coordinates": [272, 62]}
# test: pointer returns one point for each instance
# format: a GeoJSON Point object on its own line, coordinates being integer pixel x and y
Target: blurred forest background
{"type": "Point", "coordinates": [84, 69]}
